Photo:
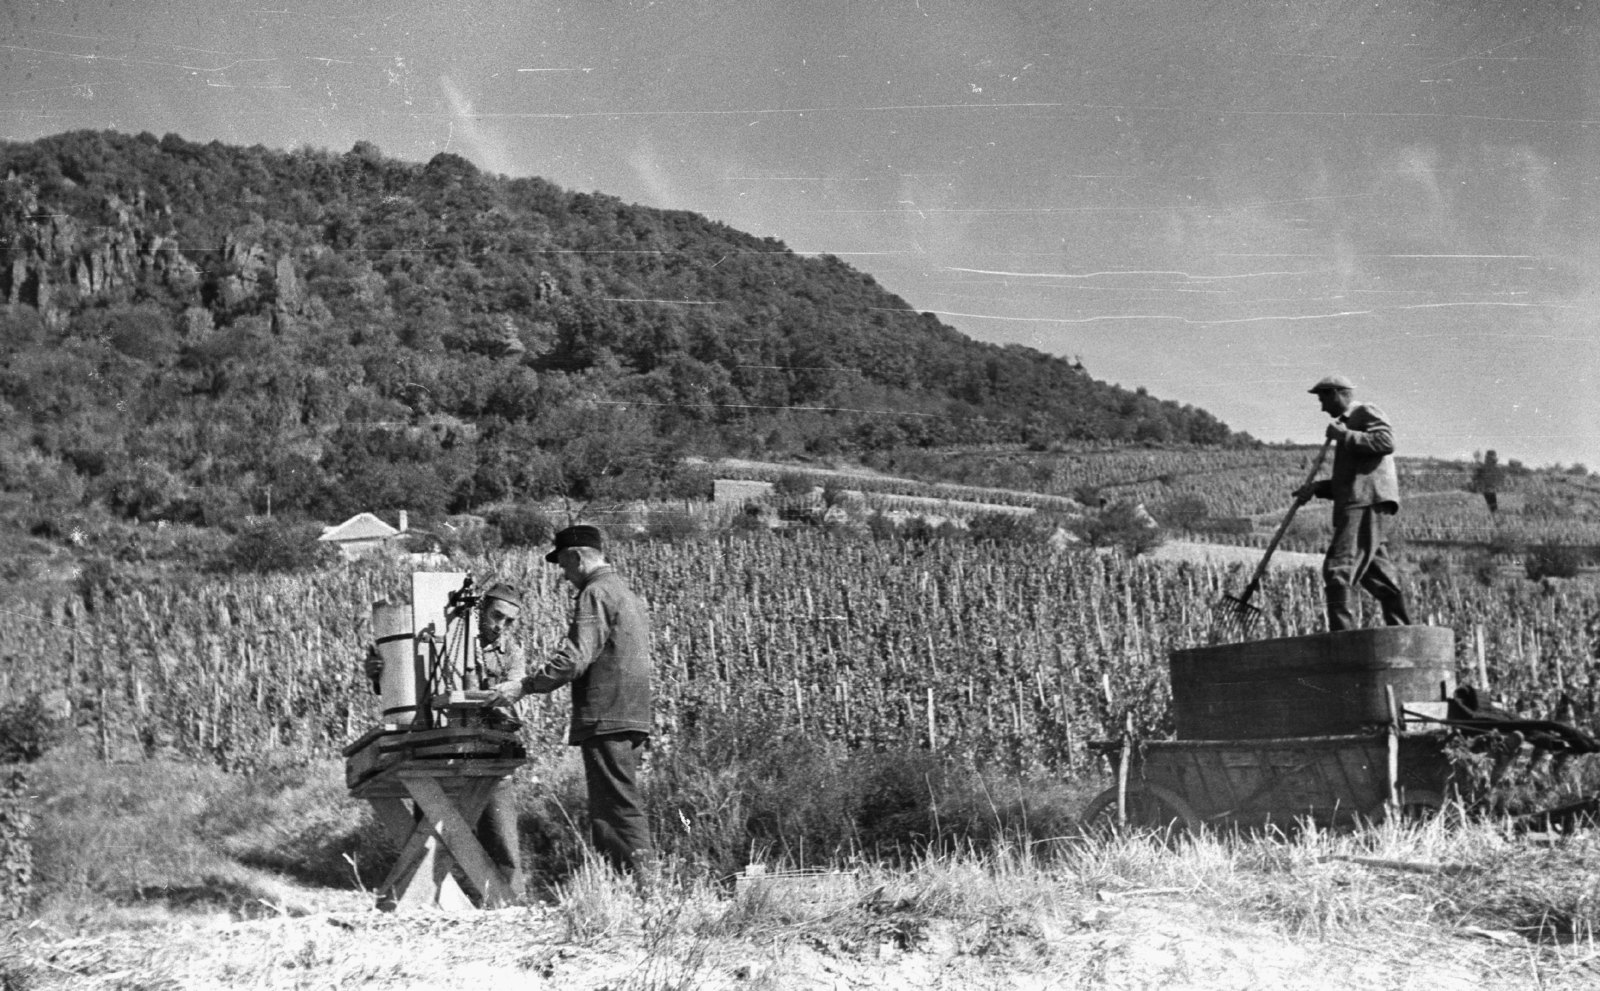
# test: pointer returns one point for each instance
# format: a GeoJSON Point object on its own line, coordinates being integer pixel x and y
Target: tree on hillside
{"type": "Point", "coordinates": [1124, 524]}
{"type": "Point", "coordinates": [1488, 477]}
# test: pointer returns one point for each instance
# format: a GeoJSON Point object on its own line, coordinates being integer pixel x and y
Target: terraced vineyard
{"type": "Point", "coordinates": [1010, 653]}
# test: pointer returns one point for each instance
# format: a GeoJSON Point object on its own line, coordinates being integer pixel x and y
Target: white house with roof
{"type": "Point", "coordinates": [362, 534]}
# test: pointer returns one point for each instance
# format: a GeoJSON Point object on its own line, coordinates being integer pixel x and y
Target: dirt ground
{"type": "Point", "coordinates": [1135, 941]}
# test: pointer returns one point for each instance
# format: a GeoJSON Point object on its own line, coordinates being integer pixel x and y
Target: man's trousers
{"type": "Point", "coordinates": [1357, 557]}
{"type": "Point", "coordinates": [618, 826]}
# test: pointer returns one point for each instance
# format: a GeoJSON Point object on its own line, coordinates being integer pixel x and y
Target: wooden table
{"type": "Point", "coordinates": [435, 831]}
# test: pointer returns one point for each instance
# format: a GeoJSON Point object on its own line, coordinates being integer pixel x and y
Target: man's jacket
{"type": "Point", "coordinates": [1363, 463]}
{"type": "Point", "coordinates": [606, 659]}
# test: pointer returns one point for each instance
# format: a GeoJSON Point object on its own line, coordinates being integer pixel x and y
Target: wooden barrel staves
{"type": "Point", "coordinates": [1322, 684]}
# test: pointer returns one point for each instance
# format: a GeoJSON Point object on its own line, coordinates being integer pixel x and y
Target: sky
{"type": "Point", "coordinates": [1216, 200]}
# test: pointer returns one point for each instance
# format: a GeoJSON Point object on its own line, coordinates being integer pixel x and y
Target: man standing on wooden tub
{"type": "Point", "coordinates": [1365, 490]}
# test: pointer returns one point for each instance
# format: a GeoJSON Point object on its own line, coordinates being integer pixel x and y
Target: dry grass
{"type": "Point", "coordinates": [197, 878]}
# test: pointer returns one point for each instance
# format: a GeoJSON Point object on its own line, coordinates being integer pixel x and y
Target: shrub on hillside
{"type": "Point", "coordinates": [1124, 525]}
{"type": "Point", "coordinates": [919, 529]}
{"type": "Point", "coordinates": [1483, 567]}
{"type": "Point", "coordinates": [1229, 525]}
{"type": "Point", "coordinates": [1186, 512]}
{"type": "Point", "coordinates": [835, 495]}
{"type": "Point", "coordinates": [880, 526]}
{"type": "Point", "coordinates": [1006, 528]}
{"type": "Point", "coordinates": [522, 526]}
{"type": "Point", "coordinates": [31, 726]}
{"type": "Point", "coordinates": [671, 525]}
{"type": "Point", "coordinates": [792, 485]}
{"type": "Point", "coordinates": [1505, 542]}
{"type": "Point", "coordinates": [1553, 561]}
{"type": "Point", "coordinates": [270, 546]}
{"type": "Point", "coordinates": [749, 520]}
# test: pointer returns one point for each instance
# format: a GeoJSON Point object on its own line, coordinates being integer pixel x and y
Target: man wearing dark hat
{"type": "Point", "coordinates": [1365, 490]}
{"type": "Point", "coordinates": [498, 657]}
{"type": "Point", "coordinates": [606, 659]}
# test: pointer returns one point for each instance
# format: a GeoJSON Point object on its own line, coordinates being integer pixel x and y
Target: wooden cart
{"type": "Point", "coordinates": [1333, 781]}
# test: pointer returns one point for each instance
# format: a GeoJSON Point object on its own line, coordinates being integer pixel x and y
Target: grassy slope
{"type": "Point", "coordinates": [202, 879]}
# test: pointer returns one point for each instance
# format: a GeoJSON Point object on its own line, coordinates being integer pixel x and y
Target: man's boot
{"type": "Point", "coordinates": [1394, 610]}
{"type": "Point", "coordinates": [1339, 616]}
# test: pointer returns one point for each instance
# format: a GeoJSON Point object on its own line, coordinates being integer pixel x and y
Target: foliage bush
{"type": "Point", "coordinates": [270, 546]}
{"type": "Point", "coordinates": [1505, 541]}
{"type": "Point", "coordinates": [741, 788]}
{"type": "Point", "coordinates": [920, 529]}
{"type": "Point", "coordinates": [522, 526]}
{"type": "Point", "coordinates": [1124, 525]}
{"type": "Point", "coordinates": [1186, 512]}
{"type": "Point", "coordinates": [792, 485]}
{"type": "Point", "coordinates": [1554, 561]}
{"type": "Point", "coordinates": [749, 520]}
{"type": "Point", "coordinates": [671, 525]}
{"type": "Point", "coordinates": [1483, 567]}
{"type": "Point", "coordinates": [30, 727]}
{"type": "Point", "coordinates": [1089, 494]}
{"type": "Point", "coordinates": [1007, 528]}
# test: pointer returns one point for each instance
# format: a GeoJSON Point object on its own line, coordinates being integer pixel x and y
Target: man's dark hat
{"type": "Point", "coordinates": [504, 592]}
{"type": "Point", "coordinates": [582, 535]}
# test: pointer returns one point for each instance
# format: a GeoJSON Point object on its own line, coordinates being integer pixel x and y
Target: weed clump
{"type": "Point", "coordinates": [31, 726]}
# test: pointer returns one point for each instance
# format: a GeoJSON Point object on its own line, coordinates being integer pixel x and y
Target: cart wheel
{"type": "Point", "coordinates": [1150, 807]}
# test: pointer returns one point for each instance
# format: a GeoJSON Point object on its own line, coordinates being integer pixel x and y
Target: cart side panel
{"type": "Point", "coordinates": [1332, 780]}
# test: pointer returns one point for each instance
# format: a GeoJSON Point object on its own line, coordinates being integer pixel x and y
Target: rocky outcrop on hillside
{"type": "Point", "coordinates": [45, 255]}
{"type": "Point", "coordinates": [53, 261]}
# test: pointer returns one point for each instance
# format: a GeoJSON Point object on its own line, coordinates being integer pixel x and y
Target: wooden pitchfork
{"type": "Point", "coordinates": [1236, 614]}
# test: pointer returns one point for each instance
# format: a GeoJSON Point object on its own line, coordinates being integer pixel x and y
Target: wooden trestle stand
{"type": "Point", "coordinates": [446, 775]}
{"type": "Point", "coordinates": [428, 783]}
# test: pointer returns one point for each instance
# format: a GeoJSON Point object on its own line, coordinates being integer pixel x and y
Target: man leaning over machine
{"type": "Point", "coordinates": [500, 657]}
{"type": "Point", "coordinates": [606, 659]}
{"type": "Point", "coordinates": [1365, 490]}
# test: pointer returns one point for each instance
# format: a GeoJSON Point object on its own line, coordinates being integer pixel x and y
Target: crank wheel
{"type": "Point", "coordinates": [1151, 808]}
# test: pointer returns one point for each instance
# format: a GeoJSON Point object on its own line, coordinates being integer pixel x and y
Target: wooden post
{"type": "Point", "coordinates": [1066, 731]}
{"type": "Point", "coordinates": [1483, 669]}
{"type": "Point", "coordinates": [1122, 772]}
{"type": "Point", "coordinates": [105, 732]}
{"type": "Point", "coordinates": [1393, 752]}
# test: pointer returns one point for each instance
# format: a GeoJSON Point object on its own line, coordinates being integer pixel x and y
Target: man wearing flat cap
{"type": "Point", "coordinates": [606, 659]}
{"type": "Point", "coordinates": [497, 658]}
{"type": "Point", "coordinates": [1365, 491]}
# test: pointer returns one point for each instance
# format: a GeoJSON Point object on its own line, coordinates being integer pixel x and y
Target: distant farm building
{"type": "Point", "coordinates": [362, 534]}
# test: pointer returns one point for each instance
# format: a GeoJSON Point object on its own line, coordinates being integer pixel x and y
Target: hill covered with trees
{"type": "Point", "coordinates": [191, 330]}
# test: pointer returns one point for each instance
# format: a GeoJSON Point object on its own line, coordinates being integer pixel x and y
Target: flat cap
{"type": "Point", "coordinates": [581, 535]}
{"type": "Point", "coordinates": [1331, 382]}
{"type": "Point", "coordinates": [504, 592]}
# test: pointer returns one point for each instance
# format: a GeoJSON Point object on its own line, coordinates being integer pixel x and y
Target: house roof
{"type": "Point", "coordinates": [362, 526]}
